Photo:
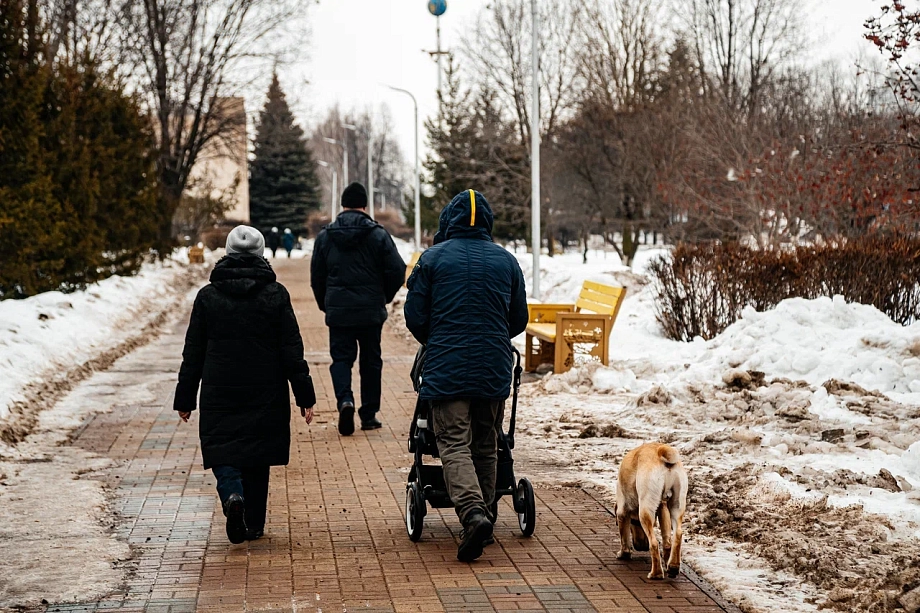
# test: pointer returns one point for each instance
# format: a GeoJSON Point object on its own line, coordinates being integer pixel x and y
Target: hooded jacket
{"type": "Point", "coordinates": [243, 346]}
{"type": "Point", "coordinates": [466, 301]}
{"type": "Point", "coordinates": [355, 271]}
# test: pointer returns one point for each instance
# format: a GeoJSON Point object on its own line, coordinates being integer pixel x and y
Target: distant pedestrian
{"type": "Point", "coordinates": [466, 302]}
{"type": "Point", "coordinates": [243, 346]}
{"type": "Point", "coordinates": [274, 241]}
{"type": "Point", "coordinates": [355, 272]}
{"type": "Point", "coordinates": [289, 240]}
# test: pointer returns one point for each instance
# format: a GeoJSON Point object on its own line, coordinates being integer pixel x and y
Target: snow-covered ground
{"type": "Point", "coordinates": [799, 427]}
{"type": "Point", "coordinates": [48, 335]}
{"type": "Point", "coordinates": [55, 536]}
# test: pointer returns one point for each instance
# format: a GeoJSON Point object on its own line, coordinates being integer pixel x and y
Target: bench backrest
{"type": "Point", "coordinates": [412, 262]}
{"type": "Point", "coordinates": [601, 299]}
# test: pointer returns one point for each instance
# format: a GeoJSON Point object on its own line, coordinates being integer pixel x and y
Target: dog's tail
{"type": "Point", "coordinates": [668, 455]}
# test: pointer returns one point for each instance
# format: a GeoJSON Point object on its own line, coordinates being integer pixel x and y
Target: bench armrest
{"type": "Point", "coordinates": [546, 313]}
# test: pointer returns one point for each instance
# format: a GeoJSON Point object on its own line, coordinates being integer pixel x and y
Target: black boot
{"type": "Point", "coordinates": [476, 530]}
{"type": "Point", "coordinates": [253, 534]}
{"type": "Point", "coordinates": [371, 424]}
{"type": "Point", "coordinates": [347, 418]}
{"type": "Point", "coordinates": [235, 510]}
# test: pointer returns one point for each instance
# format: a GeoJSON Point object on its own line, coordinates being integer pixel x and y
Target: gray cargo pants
{"type": "Point", "coordinates": [467, 434]}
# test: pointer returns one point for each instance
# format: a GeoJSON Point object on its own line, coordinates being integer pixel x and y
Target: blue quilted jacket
{"type": "Point", "coordinates": [466, 301]}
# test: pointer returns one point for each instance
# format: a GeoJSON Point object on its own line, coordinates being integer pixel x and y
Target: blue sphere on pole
{"type": "Point", "coordinates": [437, 7]}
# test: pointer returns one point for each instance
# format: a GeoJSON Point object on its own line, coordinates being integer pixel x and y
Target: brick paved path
{"type": "Point", "coordinates": [335, 539]}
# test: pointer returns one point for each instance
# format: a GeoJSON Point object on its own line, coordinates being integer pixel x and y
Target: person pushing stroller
{"type": "Point", "coordinates": [466, 301]}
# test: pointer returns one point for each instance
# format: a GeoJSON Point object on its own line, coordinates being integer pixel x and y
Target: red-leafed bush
{"type": "Point", "coordinates": [703, 288]}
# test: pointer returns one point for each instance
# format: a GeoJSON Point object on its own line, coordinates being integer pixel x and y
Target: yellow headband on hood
{"type": "Point", "coordinates": [473, 207]}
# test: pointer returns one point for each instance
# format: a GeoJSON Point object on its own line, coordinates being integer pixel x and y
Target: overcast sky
{"type": "Point", "coordinates": [357, 44]}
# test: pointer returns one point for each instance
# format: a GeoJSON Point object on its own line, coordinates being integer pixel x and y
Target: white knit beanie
{"type": "Point", "coordinates": [245, 239]}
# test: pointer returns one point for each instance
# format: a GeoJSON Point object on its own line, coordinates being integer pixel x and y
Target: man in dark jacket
{"type": "Point", "coordinates": [355, 272]}
{"type": "Point", "coordinates": [466, 301]}
{"type": "Point", "coordinates": [274, 241]}
{"type": "Point", "coordinates": [243, 345]}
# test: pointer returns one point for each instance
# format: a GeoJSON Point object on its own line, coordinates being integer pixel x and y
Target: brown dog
{"type": "Point", "coordinates": [652, 484]}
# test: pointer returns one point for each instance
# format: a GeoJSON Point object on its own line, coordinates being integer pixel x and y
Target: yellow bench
{"type": "Point", "coordinates": [556, 328]}
{"type": "Point", "coordinates": [196, 255]}
{"type": "Point", "coordinates": [411, 265]}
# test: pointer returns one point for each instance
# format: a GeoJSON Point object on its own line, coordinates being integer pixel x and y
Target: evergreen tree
{"type": "Point", "coordinates": [473, 147]}
{"type": "Point", "coordinates": [283, 186]}
{"type": "Point", "coordinates": [77, 175]}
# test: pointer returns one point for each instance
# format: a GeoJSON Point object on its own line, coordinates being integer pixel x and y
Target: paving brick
{"type": "Point", "coordinates": [335, 537]}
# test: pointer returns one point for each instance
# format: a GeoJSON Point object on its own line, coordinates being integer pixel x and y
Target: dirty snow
{"type": "Point", "coordinates": [56, 537]}
{"type": "Point", "coordinates": [807, 410]}
{"type": "Point", "coordinates": [54, 331]}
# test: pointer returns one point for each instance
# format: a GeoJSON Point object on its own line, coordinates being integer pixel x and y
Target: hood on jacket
{"type": "Point", "coordinates": [241, 274]}
{"type": "Point", "coordinates": [467, 216]}
{"type": "Point", "coordinates": [350, 228]}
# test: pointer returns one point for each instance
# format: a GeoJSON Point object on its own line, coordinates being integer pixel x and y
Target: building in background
{"type": "Point", "coordinates": [222, 171]}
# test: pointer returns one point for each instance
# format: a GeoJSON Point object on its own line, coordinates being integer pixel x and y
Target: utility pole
{"type": "Point", "coordinates": [437, 9]}
{"type": "Point", "coordinates": [370, 168]}
{"type": "Point", "coordinates": [535, 153]}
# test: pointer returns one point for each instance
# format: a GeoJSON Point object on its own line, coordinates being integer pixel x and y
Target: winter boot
{"type": "Point", "coordinates": [347, 418]}
{"type": "Point", "coordinates": [476, 530]}
{"type": "Point", "coordinates": [235, 510]}
{"type": "Point", "coordinates": [371, 424]}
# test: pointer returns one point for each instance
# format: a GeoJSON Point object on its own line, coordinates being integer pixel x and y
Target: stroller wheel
{"type": "Point", "coordinates": [526, 507]}
{"type": "Point", "coordinates": [415, 512]}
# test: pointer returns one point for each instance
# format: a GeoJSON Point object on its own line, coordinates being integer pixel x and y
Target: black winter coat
{"type": "Point", "coordinates": [466, 301]}
{"type": "Point", "coordinates": [355, 271]}
{"type": "Point", "coordinates": [243, 345]}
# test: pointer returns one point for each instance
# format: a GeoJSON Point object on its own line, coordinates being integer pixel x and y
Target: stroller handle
{"type": "Point", "coordinates": [517, 371]}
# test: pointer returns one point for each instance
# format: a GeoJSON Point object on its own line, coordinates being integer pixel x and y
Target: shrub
{"type": "Point", "coordinates": [703, 288]}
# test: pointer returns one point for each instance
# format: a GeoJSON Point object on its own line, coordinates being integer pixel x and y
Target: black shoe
{"type": "Point", "coordinates": [235, 510]}
{"type": "Point", "coordinates": [371, 424]}
{"type": "Point", "coordinates": [476, 531]}
{"type": "Point", "coordinates": [254, 535]}
{"type": "Point", "coordinates": [347, 418]}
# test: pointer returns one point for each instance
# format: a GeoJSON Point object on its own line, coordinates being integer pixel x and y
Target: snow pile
{"type": "Point", "coordinates": [801, 340]}
{"type": "Point", "coordinates": [54, 330]}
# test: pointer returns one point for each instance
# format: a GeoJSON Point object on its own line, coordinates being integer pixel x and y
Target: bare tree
{"type": "Point", "coordinates": [621, 57]}
{"type": "Point", "coordinates": [740, 44]}
{"type": "Point", "coordinates": [390, 174]}
{"type": "Point", "coordinates": [183, 56]}
{"type": "Point", "coordinates": [499, 52]}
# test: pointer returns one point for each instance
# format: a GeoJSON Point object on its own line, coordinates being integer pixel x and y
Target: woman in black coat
{"type": "Point", "coordinates": [243, 345]}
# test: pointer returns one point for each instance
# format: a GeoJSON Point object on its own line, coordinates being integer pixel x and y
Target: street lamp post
{"type": "Point", "coordinates": [535, 153]}
{"type": "Point", "coordinates": [353, 128]}
{"type": "Point", "coordinates": [334, 177]}
{"type": "Point", "coordinates": [370, 168]}
{"type": "Point", "coordinates": [333, 141]}
{"type": "Point", "coordinates": [418, 205]}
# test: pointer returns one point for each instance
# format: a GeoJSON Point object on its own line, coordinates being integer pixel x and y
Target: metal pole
{"type": "Point", "coordinates": [345, 164]}
{"type": "Point", "coordinates": [370, 170]}
{"type": "Point", "coordinates": [438, 19]}
{"type": "Point", "coordinates": [535, 154]}
{"type": "Point", "coordinates": [335, 176]}
{"type": "Point", "coordinates": [418, 205]}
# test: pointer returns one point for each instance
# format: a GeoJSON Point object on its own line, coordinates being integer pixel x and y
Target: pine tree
{"type": "Point", "coordinates": [283, 186]}
{"type": "Point", "coordinates": [474, 148]}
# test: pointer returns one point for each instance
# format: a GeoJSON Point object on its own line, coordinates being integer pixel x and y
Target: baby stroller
{"type": "Point", "coordinates": [426, 481]}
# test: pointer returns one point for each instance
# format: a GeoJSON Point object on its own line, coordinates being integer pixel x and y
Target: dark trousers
{"type": "Point", "coordinates": [467, 434]}
{"type": "Point", "coordinates": [343, 348]}
{"type": "Point", "coordinates": [250, 483]}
